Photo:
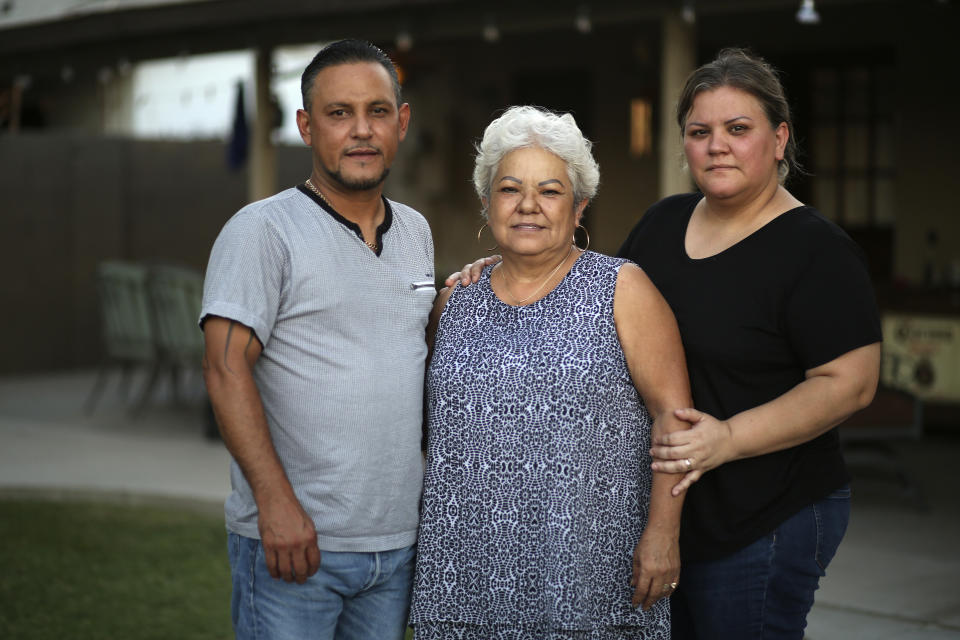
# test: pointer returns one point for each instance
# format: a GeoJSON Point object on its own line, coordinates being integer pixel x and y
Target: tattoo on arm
{"type": "Point", "coordinates": [226, 346]}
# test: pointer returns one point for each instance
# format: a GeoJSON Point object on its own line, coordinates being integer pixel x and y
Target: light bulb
{"type": "Point", "coordinates": [582, 22]}
{"type": "Point", "coordinates": [490, 31]}
{"type": "Point", "coordinates": [404, 41]}
{"type": "Point", "coordinates": [807, 14]}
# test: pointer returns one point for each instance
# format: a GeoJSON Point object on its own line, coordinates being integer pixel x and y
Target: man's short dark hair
{"type": "Point", "coordinates": [346, 52]}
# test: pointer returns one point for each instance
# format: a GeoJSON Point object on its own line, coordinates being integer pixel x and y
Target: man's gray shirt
{"type": "Point", "coordinates": [341, 372]}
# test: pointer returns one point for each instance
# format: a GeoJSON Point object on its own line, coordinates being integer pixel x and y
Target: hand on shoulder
{"type": "Point", "coordinates": [470, 272]}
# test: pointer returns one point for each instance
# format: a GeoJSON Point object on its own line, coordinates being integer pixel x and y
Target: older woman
{"type": "Point", "coordinates": [781, 334]}
{"type": "Point", "coordinates": [541, 517]}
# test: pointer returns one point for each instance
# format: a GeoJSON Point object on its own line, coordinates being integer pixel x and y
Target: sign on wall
{"type": "Point", "coordinates": [921, 354]}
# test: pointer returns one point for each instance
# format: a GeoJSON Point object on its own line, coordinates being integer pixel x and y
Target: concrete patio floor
{"type": "Point", "coordinates": [896, 575]}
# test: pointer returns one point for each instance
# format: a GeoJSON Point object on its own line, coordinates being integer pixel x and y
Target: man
{"type": "Point", "coordinates": [314, 311]}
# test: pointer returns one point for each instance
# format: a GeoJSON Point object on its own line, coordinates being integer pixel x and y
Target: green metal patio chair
{"type": "Point", "coordinates": [175, 295]}
{"type": "Point", "coordinates": [126, 327]}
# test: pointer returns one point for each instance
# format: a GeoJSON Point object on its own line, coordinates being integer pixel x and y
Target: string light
{"type": "Point", "coordinates": [582, 22]}
{"type": "Point", "coordinates": [404, 40]}
{"type": "Point", "coordinates": [490, 31]}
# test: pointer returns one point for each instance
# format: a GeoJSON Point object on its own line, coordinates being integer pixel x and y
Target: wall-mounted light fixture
{"type": "Point", "coordinates": [641, 127]}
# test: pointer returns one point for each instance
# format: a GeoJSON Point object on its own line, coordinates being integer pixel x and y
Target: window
{"type": "Point", "coordinates": [851, 143]}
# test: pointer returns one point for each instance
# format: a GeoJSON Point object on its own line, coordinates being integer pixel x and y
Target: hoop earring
{"type": "Point", "coordinates": [580, 226]}
{"type": "Point", "coordinates": [495, 245]}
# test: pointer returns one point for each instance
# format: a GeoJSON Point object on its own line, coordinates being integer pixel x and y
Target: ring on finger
{"type": "Point", "coordinates": [687, 462]}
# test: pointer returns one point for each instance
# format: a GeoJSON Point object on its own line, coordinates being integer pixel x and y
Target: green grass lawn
{"type": "Point", "coordinates": [111, 569]}
{"type": "Point", "coordinates": [78, 570]}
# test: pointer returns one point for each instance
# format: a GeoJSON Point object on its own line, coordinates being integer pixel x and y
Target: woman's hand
{"type": "Point", "coordinates": [470, 273]}
{"type": "Point", "coordinates": [707, 444]}
{"type": "Point", "coordinates": [656, 567]}
{"type": "Point", "coordinates": [828, 395]}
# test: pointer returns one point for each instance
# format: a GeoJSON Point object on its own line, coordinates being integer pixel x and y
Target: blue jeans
{"type": "Point", "coordinates": [354, 596]}
{"type": "Point", "coordinates": [764, 590]}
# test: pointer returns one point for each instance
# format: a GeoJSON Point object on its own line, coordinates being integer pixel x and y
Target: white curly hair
{"type": "Point", "coordinates": [526, 126]}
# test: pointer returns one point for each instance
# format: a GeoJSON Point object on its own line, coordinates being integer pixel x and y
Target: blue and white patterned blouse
{"type": "Point", "coordinates": [538, 474]}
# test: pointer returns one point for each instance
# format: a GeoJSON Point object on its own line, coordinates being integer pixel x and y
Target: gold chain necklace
{"type": "Point", "coordinates": [503, 276]}
{"type": "Point", "coordinates": [312, 187]}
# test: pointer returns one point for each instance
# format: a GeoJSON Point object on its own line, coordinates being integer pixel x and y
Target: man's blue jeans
{"type": "Point", "coordinates": [354, 596]}
{"type": "Point", "coordinates": [763, 591]}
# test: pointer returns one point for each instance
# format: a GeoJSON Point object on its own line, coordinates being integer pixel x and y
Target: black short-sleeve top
{"type": "Point", "coordinates": [793, 295]}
